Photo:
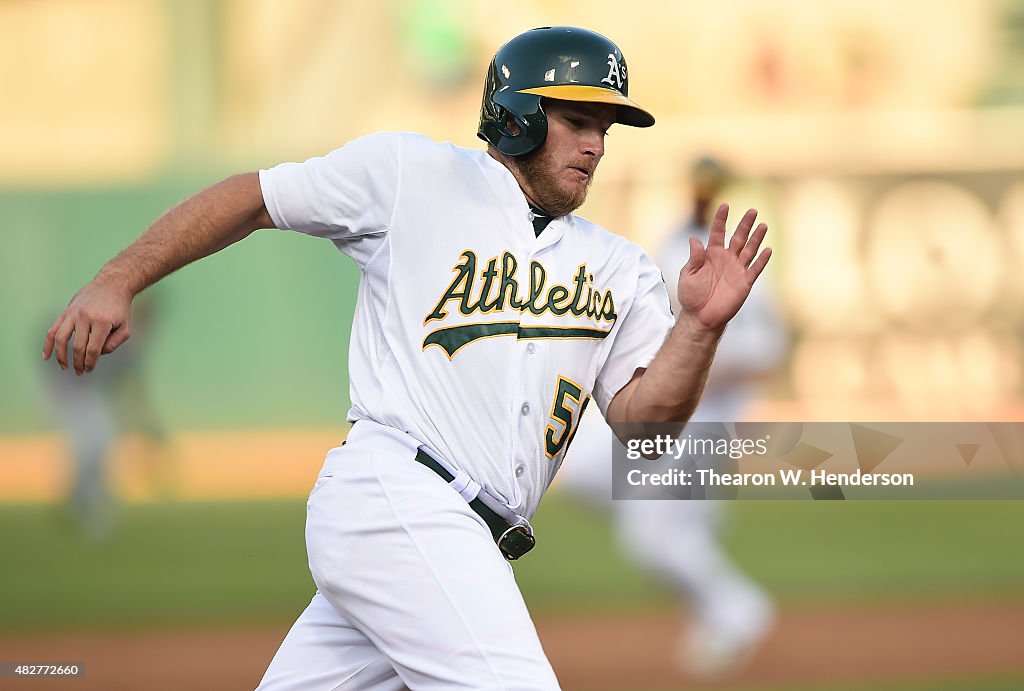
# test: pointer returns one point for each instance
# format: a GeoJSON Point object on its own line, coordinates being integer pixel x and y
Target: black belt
{"type": "Point", "coordinates": [514, 540]}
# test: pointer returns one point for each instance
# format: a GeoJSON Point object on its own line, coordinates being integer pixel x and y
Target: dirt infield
{"type": "Point", "coordinates": [598, 653]}
{"type": "Point", "coordinates": [808, 647]}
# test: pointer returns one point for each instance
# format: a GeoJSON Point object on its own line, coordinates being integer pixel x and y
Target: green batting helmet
{"type": "Point", "coordinates": [563, 62]}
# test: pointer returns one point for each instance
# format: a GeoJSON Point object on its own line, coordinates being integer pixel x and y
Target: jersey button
{"type": "Point", "coordinates": [525, 410]}
{"type": "Point", "coordinates": [531, 216]}
{"type": "Point", "coordinates": [520, 470]}
{"type": "Point", "coordinates": [530, 348]}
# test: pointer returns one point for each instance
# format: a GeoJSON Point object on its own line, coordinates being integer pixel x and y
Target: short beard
{"type": "Point", "coordinates": [552, 197]}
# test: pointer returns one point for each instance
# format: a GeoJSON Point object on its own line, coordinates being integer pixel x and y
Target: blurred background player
{"type": "Point", "coordinates": [679, 541]}
{"type": "Point", "coordinates": [93, 413]}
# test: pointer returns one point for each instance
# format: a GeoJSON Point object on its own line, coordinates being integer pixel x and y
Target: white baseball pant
{"type": "Point", "coordinates": [412, 591]}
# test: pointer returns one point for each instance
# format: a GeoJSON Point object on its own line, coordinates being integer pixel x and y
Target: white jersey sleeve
{"type": "Point", "coordinates": [639, 336]}
{"type": "Point", "coordinates": [674, 254]}
{"type": "Point", "coordinates": [348, 196]}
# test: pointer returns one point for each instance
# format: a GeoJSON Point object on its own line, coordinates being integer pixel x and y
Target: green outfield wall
{"type": "Point", "coordinates": [255, 335]}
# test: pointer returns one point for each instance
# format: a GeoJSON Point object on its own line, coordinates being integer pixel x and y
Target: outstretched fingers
{"type": "Point", "coordinates": [696, 260]}
{"type": "Point", "coordinates": [717, 236]}
{"type": "Point", "coordinates": [751, 245]}
{"type": "Point", "coordinates": [739, 238]}
{"type": "Point", "coordinates": [762, 261]}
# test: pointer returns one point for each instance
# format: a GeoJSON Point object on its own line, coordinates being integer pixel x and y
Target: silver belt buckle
{"type": "Point", "coordinates": [517, 541]}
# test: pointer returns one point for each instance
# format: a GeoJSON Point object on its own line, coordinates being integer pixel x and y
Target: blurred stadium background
{"type": "Point", "coordinates": [883, 141]}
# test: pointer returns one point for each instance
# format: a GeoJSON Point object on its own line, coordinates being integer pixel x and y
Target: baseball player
{"type": "Point", "coordinates": [91, 414]}
{"type": "Point", "coordinates": [488, 317]}
{"type": "Point", "coordinates": [678, 540]}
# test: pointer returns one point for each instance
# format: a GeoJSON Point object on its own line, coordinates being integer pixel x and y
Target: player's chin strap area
{"type": "Point", "coordinates": [513, 539]}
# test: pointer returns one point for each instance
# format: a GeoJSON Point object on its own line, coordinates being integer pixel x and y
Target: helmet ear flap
{"type": "Point", "coordinates": [502, 124]}
{"type": "Point", "coordinates": [504, 107]}
{"type": "Point", "coordinates": [504, 116]}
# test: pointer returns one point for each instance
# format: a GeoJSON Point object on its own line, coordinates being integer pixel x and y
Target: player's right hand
{"type": "Point", "coordinates": [97, 321]}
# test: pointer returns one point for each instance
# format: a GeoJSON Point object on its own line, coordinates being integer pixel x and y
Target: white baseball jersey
{"type": "Point", "coordinates": [471, 334]}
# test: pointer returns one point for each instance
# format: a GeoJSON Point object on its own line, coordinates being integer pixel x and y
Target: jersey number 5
{"type": "Point", "coordinates": [566, 411]}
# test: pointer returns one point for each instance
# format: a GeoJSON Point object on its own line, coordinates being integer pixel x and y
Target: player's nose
{"type": "Point", "coordinates": [592, 143]}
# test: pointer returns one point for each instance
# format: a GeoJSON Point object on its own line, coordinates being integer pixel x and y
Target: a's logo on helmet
{"type": "Point", "coordinates": [616, 73]}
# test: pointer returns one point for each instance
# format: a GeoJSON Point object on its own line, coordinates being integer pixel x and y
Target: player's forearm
{"type": "Point", "coordinates": [205, 223]}
{"type": "Point", "coordinates": [671, 387]}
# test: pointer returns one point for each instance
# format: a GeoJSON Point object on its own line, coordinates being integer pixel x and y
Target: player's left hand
{"type": "Point", "coordinates": [718, 278]}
